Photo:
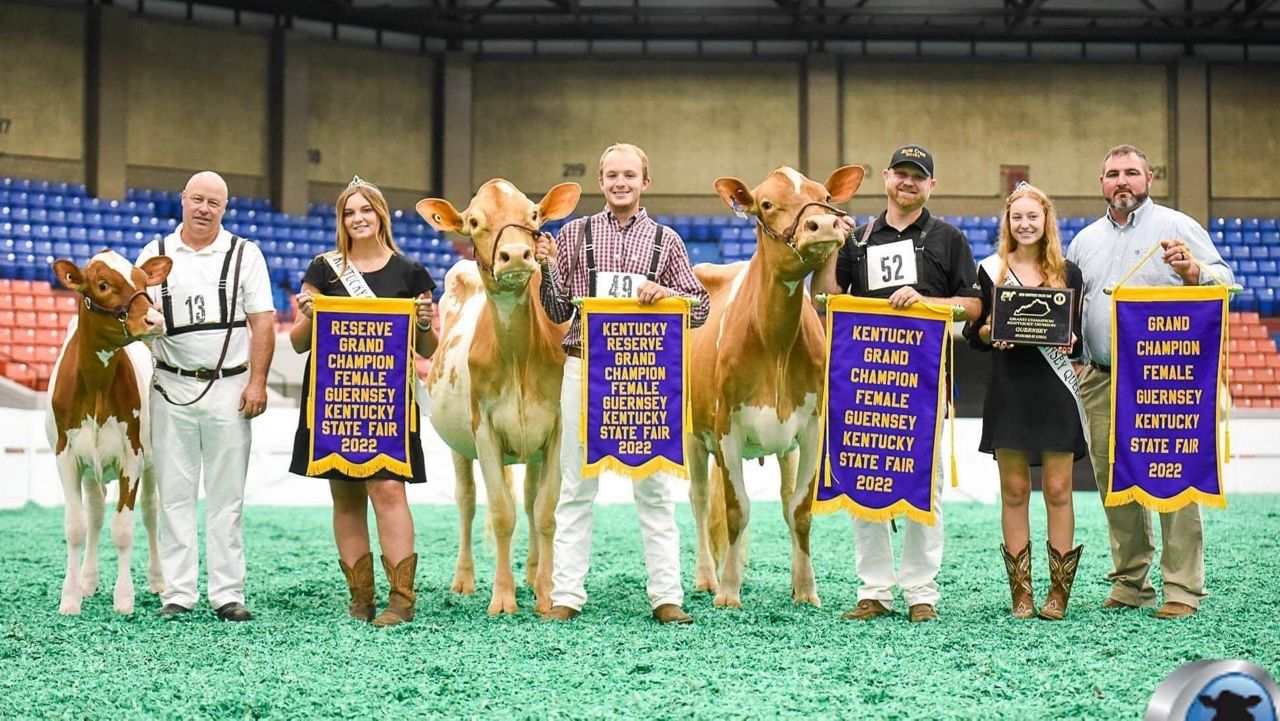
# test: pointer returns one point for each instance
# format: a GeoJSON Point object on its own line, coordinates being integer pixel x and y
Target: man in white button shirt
{"type": "Point", "coordinates": [1105, 251]}
{"type": "Point", "coordinates": [211, 378]}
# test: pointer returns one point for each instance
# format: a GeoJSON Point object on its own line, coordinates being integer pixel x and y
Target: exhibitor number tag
{"type": "Point", "coordinates": [891, 265]}
{"type": "Point", "coordinates": [618, 285]}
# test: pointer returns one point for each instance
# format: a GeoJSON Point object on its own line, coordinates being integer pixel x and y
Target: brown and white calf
{"type": "Point", "coordinates": [495, 385]}
{"type": "Point", "coordinates": [98, 422]}
{"type": "Point", "coordinates": [765, 344]}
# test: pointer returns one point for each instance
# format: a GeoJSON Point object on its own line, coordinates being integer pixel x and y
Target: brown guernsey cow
{"type": "Point", "coordinates": [495, 384]}
{"type": "Point", "coordinates": [765, 342]}
{"type": "Point", "coordinates": [98, 422]}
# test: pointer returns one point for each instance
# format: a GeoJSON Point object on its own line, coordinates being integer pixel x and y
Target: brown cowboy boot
{"type": "Point", "coordinates": [1062, 573]}
{"type": "Point", "coordinates": [1019, 569]}
{"type": "Point", "coordinates": [400, 606]}
{"type": "Point", "coordinates": [360, 583]}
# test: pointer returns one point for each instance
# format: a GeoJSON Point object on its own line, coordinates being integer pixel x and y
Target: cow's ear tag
{"type": "Point", "coordinates": [738, 210]}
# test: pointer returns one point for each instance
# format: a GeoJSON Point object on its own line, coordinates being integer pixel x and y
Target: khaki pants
{"type": "Point", "coordinates": [1132, 537]}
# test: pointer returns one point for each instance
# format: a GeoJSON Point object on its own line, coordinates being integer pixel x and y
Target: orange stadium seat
{"type": "Point", "coordinates": [20, 287]}
{"type": "Point", "coordinates": [7, 317]}
{"type": "Point", "coordinates": [6, 285]}
{"type": "Point", "coordinates": [6, 351]}
{"type": "Point", "coordinates": [46, 302]}
{"type": "Point", "coordinates": [24, 353]}
{"type": "Point", "coordinates": [1266, 375]}
{"type": "Point", "coordinates": [67, 301]}
{"type": "Point", "coordinates": [41, 287]}
{"type": "Point", "coordinates": [22, 302]}
{"type": "Point", "coordinates": [20, 373]}
{"type": "Point", "coordinates": [1251, 317]}
{"type": "Point", "coordinates": [48, 353]}
{"type": "Point", "coordinates": [1242, 375]}
{"type": "Point", "coordinates": [24, 318]}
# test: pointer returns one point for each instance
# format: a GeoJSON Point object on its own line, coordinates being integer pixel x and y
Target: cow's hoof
{"type": "Point", "coordinates": [728, 600]}
{"type": "Point", "coordinates": [502, 605]}
{"type": "Point", "coordinates": [69, 607]}
{"type": "Point", "coordinates": [156, 587]}
{"type": "Point", "coordinates": [88, 585]}
{"type": "Point", "coordinates": [809, 597]}
{"type": "Point", "coordinates": [124, 607]}
{"type": "Point", "coordinates": [463, 585]}
{"type": "Point", "coordinates": [710, 585]}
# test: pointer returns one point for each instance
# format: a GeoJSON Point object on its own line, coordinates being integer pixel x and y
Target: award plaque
{"type": "Point", "coordinates": [1032, 316]}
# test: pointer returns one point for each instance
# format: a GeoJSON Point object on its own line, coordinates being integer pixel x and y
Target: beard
{"type": "Point", "coordinates": [1133, 201]}
{"type": "Point", "coordinates": [908, 203]}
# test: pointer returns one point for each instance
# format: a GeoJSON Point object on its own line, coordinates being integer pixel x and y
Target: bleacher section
{"type": "Point", "coordinates": [41, 221]}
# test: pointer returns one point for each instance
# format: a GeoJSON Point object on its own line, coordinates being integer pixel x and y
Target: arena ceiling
{"type": "Point", "coordinates": [1151, 21]}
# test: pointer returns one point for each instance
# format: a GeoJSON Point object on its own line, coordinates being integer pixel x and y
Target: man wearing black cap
{"type": "Point", "coordinates": [906, 255]}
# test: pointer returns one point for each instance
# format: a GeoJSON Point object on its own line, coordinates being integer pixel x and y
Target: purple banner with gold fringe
{"type": "Point", "coordinates": [882, 408]}
{"type": "Point", "coordinates": [360, 406]}
{"type": "Point", "coordinates": [1166, 370]}
{"type": "Point", "coordinates": [634, 410]}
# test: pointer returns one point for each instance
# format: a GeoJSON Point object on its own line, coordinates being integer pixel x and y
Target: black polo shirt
{"type": "Point", "coordinates": [944, 266]}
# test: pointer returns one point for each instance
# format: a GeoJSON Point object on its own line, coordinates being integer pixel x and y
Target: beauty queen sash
{"type": "Point", "coordinates": [635, 411]}
{"type": "Point", "coordinates": [1167, 347]}
{"type": "Point", "coordinates": [882, 404]}
{"type": "Point", "coordinates": [1058, 361]}
{"type": "Point", "coordinates": [360, 405]}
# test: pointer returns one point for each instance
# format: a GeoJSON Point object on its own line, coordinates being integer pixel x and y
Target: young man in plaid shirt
{"type": "Point", "coordinates": [617, 250]}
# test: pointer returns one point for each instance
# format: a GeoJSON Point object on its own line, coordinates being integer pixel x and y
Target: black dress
{"type": "Point", "coordinates": [399, 278]}
{"type": "Point", "coordinates": [1027, 407]}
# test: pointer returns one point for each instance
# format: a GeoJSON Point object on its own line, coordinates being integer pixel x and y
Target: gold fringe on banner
{"type": "Point", "coordinates": [381, 462]}
{"type": "Point", "coordinates": [1168, 293]}
{"type": "Point", "coordinates": [924, 311]}
{"type": "Point", "coordinates": [666, 306]}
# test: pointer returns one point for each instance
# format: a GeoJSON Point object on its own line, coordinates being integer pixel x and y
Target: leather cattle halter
{"type": "Point", "coordinates": [493, 257]}
{"type": "Point", "coordinates": [120, 312]}
{"type": "Point", "coordinates": [790, 237]}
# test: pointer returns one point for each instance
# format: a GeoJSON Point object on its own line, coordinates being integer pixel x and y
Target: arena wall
{"type": "Point", "coordinates": [42, 86]}
{"type": "Point", "coordinates": [1244, 112]}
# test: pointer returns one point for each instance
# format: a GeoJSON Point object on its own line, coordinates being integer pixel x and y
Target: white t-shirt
{"type": "Point", "coordinates": [194, 301]}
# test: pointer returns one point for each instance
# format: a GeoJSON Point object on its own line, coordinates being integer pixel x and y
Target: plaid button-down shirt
{"type": "Point", "coordinates": [618, 249]}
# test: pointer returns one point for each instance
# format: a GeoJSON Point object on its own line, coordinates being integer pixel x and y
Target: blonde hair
{"type": "Point", "coordinates": [1053, 266]}
{"type": "Point", "coordinates": [379, 203]}
{"type": "Point", "coordinates": [644, 159]}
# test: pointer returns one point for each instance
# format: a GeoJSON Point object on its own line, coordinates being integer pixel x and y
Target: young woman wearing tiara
{"type": "Point", "coordinates": [365, 244]}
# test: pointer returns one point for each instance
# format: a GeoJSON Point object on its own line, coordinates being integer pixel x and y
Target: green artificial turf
{"type": "Point", "coordinates": [301, 657]}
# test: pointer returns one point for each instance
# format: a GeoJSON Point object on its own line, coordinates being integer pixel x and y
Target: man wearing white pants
{"type": "Point", "coordinates": [922, 258]}
{"type": "Point", "coordinates": [619, 247]}
{"type": "Point", "coordinates": [211, 378]}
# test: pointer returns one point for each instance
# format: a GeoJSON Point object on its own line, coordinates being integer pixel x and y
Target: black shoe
{"type": "Point", "coordinates": [172, 609]}
{"type": "Point", "coordinates": [234, 611]}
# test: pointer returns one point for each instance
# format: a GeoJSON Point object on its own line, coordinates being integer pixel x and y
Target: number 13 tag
{"type": "Point", "coordinates": [618, 285]}
{"type": "Point", "coordinates": [891, 265]}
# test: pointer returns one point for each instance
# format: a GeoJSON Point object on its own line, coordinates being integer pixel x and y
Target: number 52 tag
{"type": "Point", "coordinates": [891, 265]}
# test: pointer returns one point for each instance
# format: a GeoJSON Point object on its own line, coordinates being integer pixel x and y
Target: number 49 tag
{"type": "Point", "coordinates": [891, 265]}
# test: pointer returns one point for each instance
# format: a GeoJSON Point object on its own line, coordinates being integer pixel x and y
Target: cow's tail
{"type": "Point", "coordinates": [717, 529]}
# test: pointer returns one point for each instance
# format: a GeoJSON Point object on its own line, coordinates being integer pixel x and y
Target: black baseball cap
{"type": "Point", "coordinates": [914, 155]}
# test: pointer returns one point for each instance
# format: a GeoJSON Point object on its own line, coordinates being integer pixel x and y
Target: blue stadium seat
{"type": "Point", "coordinates": [1233, 237]}
{"type": "Point", "coordinates": [1267, 304]}
{"type": "Point", "coordinates": [1251, 223]}
{"type": "Point", "coordinates": [1233, 223]}
{"type": "Point", "coordinates": [1271, 237]}
{"type": "Point", "coordinates": [1268, 267]}
{"type": "Point", "coordinates": [1246, 267]}
{"type": "Point", "coordinates": [1270, 224]}
{"type": "Point", "coordinates": [1227, 251]}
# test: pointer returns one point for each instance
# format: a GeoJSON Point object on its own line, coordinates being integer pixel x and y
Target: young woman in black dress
{"type": "Point", "coordinates": [1031, 415]}
{"type": "Point", "coordinates": [364, 240]}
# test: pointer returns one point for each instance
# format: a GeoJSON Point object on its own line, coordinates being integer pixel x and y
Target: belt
{"type": "Point", "coordinates": [1098, 366]}
{"type": "Point", "coordinates": [204, 374]}
{"type": "Point", "coordinates": [573, 351]}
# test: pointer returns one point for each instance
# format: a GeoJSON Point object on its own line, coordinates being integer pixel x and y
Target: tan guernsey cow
{"type": "Point", "coordinates": [98, 423]}
{"type": "Point", "coordinates": [765, 342]}
{"type": "Point", "coordinates": [495, 385]}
